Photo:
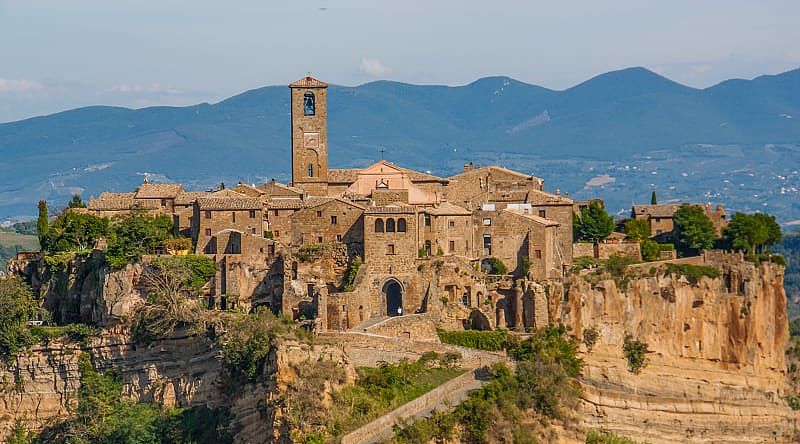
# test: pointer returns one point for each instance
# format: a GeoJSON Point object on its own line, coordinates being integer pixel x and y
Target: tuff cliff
{"type": "Point", "coordinates": [715, 367]}
{"type": "Point", "coordinates": [179, 371]}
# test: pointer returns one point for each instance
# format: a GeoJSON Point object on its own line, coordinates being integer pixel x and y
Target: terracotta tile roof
{"type": "Point", "coordinates": [249, 190]}
{"type": "Point", "coordinates": [494, 168]}
{"type": "Point", "coordinates": [537, 197]}
{"type": "Point", "coordinates": [285, 204]}
{"type": "Point", "coordinates": [348, 175]}
{"type": "Point", "coordinates": [532, 217]}
{"type": "Point", "coordinates": [219, 201]}
{"type": "Point", "coordinates": [390, 209]}
{"type": "Point", "coordinates": [312, 202]}
{"type": "Point", "coordinates": [279, 189]}
{"type": "Point", "coordinates": [447, 209]}
{"type": "Point", "coordinates": [159, 190]}
{"type": "Point", "coordinates": [661, 210]}
{"type": "Point", "coordinates": [188, 197]}
{"type": "Point", "coordinates": [112, 201]}
{"type": "Point", "coordinates": [308, 82]}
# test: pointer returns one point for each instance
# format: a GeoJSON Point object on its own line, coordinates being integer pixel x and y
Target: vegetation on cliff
{"type": "Point", "coordinates": [104, 416]}
{"type": "Point", "coordinates": [695, 229]}
{"type": "Point", "coordinates": [324, 418]}
{"type": "Point", "coordinates": [542, 387]}
{"type": "Point", "coordinates": [17, 306]}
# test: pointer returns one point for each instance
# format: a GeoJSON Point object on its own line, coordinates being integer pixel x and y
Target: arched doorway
{"type": "Point", "coordinates": [393, 292]}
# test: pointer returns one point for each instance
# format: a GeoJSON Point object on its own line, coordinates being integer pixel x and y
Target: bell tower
{"type": "Point", "coordinates": [310, 136]}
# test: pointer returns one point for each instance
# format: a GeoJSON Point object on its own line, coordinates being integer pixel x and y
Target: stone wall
{"type": "Point", "coordinates": [418, 327]}
{"type": "Point", "coordinates": [604, 250]}
{"type": "Point", "coordinates": [333, 221]}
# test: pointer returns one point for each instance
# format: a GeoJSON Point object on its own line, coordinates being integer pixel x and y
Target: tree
{"type": "Point", "coordinates": [42, 223]}
{"type": "Point", "coordinates": [170, 283]}
{"type": "Point", "coordinates": [653, 200]}
{"type": "Point", "coordinates": [136, 235]}
{"type": "Point", "coordinates": [649, 249]}
{"type": "Point", "coordinates": [73, 231]}
{"type": "Point", "coordinates": [593, 224]}
{"type": "Point", "coordinates": [76, 202]}
{"type": "Point", "coordinates": [695, 229]}
{"type": "Point", "coordinates": [638, 229]}
{"type": "Point", "coordinates": [17, 307]}
{"type": "Point", "coordinates": [753, 233]}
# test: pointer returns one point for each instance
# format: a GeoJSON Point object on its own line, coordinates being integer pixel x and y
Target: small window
{"type": "Point", "coordinates": [427, 220]}
{"type": "Point", "coordinates": [208, 231]}
{"type": "Point", "coordinates": [277, 233]}
{"type": "Point", "coordinates": [252, 214]}
{"type": "Point", "coordinates": [452, 224]}
{"type": "Point", "coordinates": [310, 170]}
{"type": "Point", "coordinates": [271, 249]}
{"type": "Point", "coordinates": [163, 203]}
{"type": "Point", "coordinates": [542, 213]}
{"type": "Point", "coordinates": [275, 212]}
{"type": "Point", "coordinates": [319, 239]}
{"type": "Point", "coordinates": [390, 225]}
{"type": "Point", "coordinates": [538, 254]}
{"type": "Point", "coordinates": [338, 238]}
{"type": "Point", "coordinates": [233, 216]}
{"type": "Point", "coordinates": [208, 214]}
{"type": "Point", "coordinates": [428, 248]}
{"type": "Point", "coordinates": [390, 249]}
{"type": "Point", "coordinates": [379, 225]}
{"type": "Point", "coordinates": [452, 246]}
{"type": "Point", "coordinates": [487, 221]}
{"type": "Point", "coordinates": [333, 220]}
{"type": "Point", "coordinates": [253, 230]}
{"type": "Point", "coordinates": [319, 213]}
{"type": "Point", "coordinates": [401, 225]}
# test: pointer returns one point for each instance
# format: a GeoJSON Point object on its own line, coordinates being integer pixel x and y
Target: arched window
{"type": "Point", "coordinates": [310, 170]}
{"type": "Point", "coordinates": [309, 104]}
{"type": "Point", "coordinates": [390, 225]}
{"type": "Point", "coordinates": [379, 225]}
{"type": "Point", "coordinates": [401, 225]}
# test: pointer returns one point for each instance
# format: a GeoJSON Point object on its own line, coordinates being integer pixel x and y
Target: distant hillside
{"type": "Point", "coordinates": [611, 117]}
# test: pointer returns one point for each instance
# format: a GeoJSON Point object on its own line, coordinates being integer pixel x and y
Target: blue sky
{"type": "Point", "coordinates": [56, 55]}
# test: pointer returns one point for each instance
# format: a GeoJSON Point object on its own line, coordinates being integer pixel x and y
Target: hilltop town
{"type": "Point", "coordinates": [308, 286]}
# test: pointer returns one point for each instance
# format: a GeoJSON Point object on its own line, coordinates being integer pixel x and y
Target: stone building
{"type": "Point", "coordinates": [224, 210]}
{"type": "Point", "coordinates": [328, 220]}
{"type": "Point", "coordinates": [661, 221]}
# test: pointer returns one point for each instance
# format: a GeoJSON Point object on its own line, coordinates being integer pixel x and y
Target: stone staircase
{"type": "Point", "coordinates": [362, 327]}
{"type": "Point", "coordinates": [443, 398]}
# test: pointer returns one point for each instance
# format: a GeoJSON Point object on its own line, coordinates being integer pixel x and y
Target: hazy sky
{"type": "Point", "coordinates": [56, 55]}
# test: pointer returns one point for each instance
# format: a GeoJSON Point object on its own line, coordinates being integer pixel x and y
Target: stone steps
{"type": "Point", "coordinates": [362, 327]}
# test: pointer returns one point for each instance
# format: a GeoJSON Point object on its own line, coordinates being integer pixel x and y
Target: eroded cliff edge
{"type": "Point", "coordinates": [715, 368]}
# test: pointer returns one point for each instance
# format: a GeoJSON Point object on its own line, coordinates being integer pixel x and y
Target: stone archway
{"type": "Point", "coordinates": [393, 292]}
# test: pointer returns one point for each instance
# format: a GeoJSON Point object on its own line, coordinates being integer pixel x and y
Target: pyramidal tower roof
{"type": "Point", "coordinates": [308, 82]}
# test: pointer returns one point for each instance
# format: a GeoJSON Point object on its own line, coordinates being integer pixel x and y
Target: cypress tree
{"type": "Point", "coordinates": [42, 224]}
{"type": "Point", "coordinates": [653, 200]}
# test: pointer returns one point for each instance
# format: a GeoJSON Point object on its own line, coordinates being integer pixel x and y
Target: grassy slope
{"type": "Point", "coordinates": [11, 242]}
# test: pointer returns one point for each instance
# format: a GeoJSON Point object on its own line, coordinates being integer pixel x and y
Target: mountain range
{"type": "Point", "coordinates": [608, 120]}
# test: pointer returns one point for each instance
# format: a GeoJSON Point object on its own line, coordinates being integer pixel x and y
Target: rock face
{"type": "Point", "coordinates": [716, 368]}
{"type": "Point", "coordinates": [180, 371]}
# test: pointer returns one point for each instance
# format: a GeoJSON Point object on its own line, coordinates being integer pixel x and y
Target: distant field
{"type": "Point", "coordinates": [10, 243]}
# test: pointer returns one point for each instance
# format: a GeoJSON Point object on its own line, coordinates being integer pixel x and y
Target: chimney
{"type": "Point", "coordinates": [558, 192]}
{"type": "Point", "coordinates": [468, 167]}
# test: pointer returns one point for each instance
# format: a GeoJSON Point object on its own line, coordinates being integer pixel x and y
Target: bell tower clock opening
{"type": "Point", "coordinates": [309, 135]}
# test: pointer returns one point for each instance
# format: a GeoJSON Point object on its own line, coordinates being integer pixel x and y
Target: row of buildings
{"type": "Point", "coordinates": [292, 246]}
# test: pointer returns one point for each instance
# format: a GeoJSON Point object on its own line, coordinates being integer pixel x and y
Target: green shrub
{"type": "Point", "coordinates": [481, 340]}
{"type": "Point", "coordinates": [650, 250]}
{"type": "Point", "coordinates": [19, 435]}
{"type": "Point", "coordinates": [766, 257]}
{"type": "Point", "coordinates": [635, 353]}
{"type": "Point", "coordinates": [693, 272]}
{"type": "Point", "coordinates": [136, 235]}
{"type": "Point", "coordinates": [666, 247]}
{"type": "Point", "coordinates": [352, 272]}
{"type": "Point", "coordinates": [497, 266]}
{"type": "Point", "coordinates": [590, 337]}
{"type": "Point", "coordinates": [606, 437]}
{"type": "Point", "coordinates": [616, 264]}
{"type": "Point", "coordinates": [793, 401]}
